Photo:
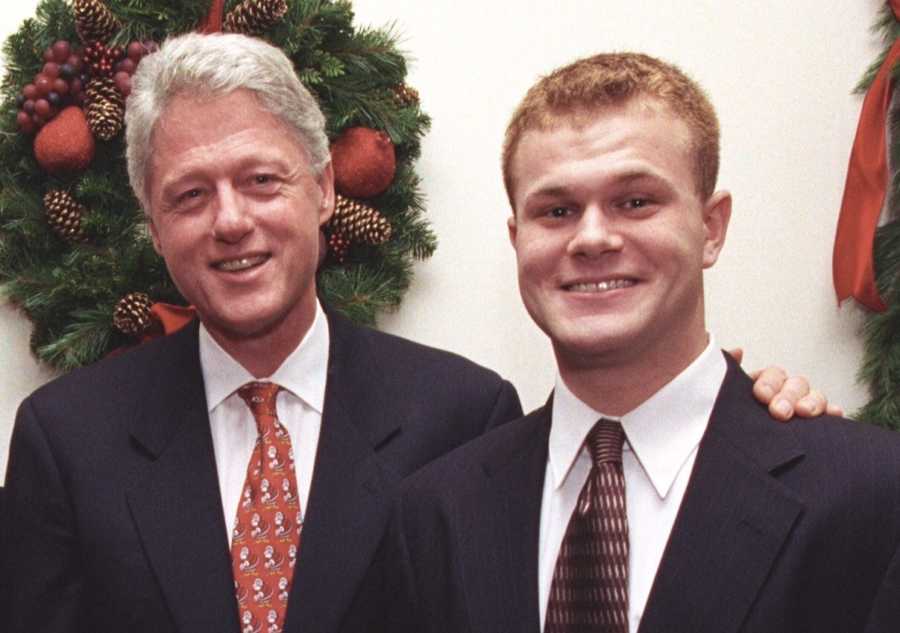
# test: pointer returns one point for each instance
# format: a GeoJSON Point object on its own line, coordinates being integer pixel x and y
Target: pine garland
{"type": "Point", "coordinates": [880, 368]}
{"type": "Point", "coordinates": [71, 289]}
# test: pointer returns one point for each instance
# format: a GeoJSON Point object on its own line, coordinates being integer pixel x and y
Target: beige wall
{"type": "Point", "coordinates": [780, 74]}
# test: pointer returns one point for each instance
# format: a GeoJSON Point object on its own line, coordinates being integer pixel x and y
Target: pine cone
{"type": "Point", "coordinates": [132, 314]}
{"type": "Point", "coordinates": [104, 108]}
{"type": "Point", "coordinates": [94, 21]}
{"type": "Point", "coordinates": [103, 89]}
{"type": "Point", "coordinates": [406, 95]}
{"type": "Point", "coordinates": [64, 215]}
{"type": "Point", "coordinates": [359, 222]}
{"type": "Point", "coordinates": [252, 17]}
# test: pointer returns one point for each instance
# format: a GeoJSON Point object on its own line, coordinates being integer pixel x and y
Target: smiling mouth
{"type": "Point", "coordinates": [599, 286]}
{"type": "Point", "coordinates": [241, 263]}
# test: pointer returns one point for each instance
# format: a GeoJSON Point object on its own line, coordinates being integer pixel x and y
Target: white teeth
{"type": "Point", "coordinates": [601, 286]}
{"type": "Point", "coordinates": [243, 263]}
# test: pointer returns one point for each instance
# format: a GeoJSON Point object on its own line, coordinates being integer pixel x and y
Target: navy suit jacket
{"type": "Point", "coordinates": [784, 528]}
{"type": "Point", "coordinates": [116, 519]}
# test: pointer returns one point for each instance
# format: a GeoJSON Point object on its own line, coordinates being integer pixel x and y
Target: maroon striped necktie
{"type": "Point", "coordinates": [589, 593]}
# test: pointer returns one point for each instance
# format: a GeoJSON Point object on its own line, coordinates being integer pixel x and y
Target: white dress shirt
{"type": "Point", "coordinates": [662, 436]}
{"type": "Point", "coordinates": [299, 405]}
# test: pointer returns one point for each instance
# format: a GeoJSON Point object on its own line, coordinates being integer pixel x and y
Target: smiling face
{"type": "Point", "coordinates": [611, 237]}
{"type": "Point", "coordinates": [235, 210]}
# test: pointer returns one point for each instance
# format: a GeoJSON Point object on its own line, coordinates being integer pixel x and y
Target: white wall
{"type": "Point", "coordinates": [780, 75]}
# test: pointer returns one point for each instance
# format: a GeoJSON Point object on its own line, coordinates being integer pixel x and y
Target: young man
{"type": "Point", "coordinates": [651, 493]}
{"type": "Point", "coordinates": [236, 475]}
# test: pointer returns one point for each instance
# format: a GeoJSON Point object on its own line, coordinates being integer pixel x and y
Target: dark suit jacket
{"type": "Point", "coordinates": [783, 529]}
{"type": "Point", "coordinates": [116, 519]}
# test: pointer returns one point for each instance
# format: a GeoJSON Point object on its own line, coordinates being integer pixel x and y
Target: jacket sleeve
{"type": "Point", "coordinates": [44, 578]}
{"type": "Point", "coordinates": [506, 407]}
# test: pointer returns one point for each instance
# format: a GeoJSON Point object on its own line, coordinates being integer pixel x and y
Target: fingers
{"type": "Point", "coordinates": [834, 409]}
{"type": "Point", "coordinates": [738, 354]}
{"type": "Point", "coordinates": [767, 382]}
{"type": "Point", "coordinates": [789, 396]}
{"type": "Point", "coordinates": [812, 404]}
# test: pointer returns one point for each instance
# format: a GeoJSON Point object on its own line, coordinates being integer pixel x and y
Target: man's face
{"type": "Point", "coordinates": [611, 236]}
{"type": "Point", "coordinates": [235, 213]}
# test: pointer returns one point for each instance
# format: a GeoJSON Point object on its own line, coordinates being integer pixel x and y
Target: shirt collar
{"type": "Point", "coordinates": [662, 432]}
{"type": "Point", "coordinates": [303, 372]}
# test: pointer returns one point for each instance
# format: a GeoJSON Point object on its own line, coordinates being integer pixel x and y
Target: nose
{"type": "Point", "coordinates": [595, 233]}
{"type": "Point", "coordinates": [232, 220]}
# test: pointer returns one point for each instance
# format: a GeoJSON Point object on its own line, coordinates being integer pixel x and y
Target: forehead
{"type": "Point", "coordinates": [642, 135]}
{"type": "Point", "coordinates": [204, 134]}
{"type": "Point", "coordinates": [190, 119]}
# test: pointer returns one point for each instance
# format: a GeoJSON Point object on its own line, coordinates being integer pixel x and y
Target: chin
{"type": "Point", "coordinates": [598, 345]}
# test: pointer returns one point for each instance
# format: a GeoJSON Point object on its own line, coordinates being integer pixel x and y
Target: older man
{"type": "Point", "coordinates": [651, 494]}
{"type": "Point", "coordinates": [235, 476]}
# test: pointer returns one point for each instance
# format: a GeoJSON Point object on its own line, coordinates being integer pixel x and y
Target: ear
{"type": "Point", "coordinates": [512, 229]}
{"type": "Point", "coordinates": [716, 215]}
{"type": "Point", "coordinates": [326, 184]}
{"type": "Point", "coordinates": [154, 233]}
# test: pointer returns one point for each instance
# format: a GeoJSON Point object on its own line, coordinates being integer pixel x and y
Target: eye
{"type": "Point", "coordinates": [559, 212]}
{"type": "Point", "coordinates": [188, 198]}
{"type": "Point", "coordinates": [636, 203]}
{"type": "Point", "coordinates": [262, 179]}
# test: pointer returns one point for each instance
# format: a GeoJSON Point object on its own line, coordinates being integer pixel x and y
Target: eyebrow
{"type": "Point", "coordinates": [623, 179]}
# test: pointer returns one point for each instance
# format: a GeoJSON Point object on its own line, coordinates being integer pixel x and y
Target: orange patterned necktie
{"type": "Point", "coordinates": [266, 534]}
{"type": "Point", "coordinates": [589, 593]}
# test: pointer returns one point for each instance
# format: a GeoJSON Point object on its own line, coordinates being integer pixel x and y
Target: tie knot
{"type": "Point", "coordinates": [605, 441]}
{"type": "Point", "coordinates": [260, 397]}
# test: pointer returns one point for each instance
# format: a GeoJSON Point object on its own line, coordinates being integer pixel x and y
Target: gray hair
{"type": "Point", "coordinates": [211, 65]}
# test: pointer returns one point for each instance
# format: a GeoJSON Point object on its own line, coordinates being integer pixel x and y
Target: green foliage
{"type": "Point", "coordinates": [70, 290]}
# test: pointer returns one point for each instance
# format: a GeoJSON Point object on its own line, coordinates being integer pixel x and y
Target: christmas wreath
{"type": "Point", "coordinates": [75, 255]}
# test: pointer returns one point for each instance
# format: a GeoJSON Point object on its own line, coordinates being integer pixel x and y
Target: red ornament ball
{"type": "Point", "coordinates": [51, 70]}
{"type": "Point", "coordinates": [43, 84]}
{"type": "Point", "coordinates": [26, 125]}
{"type": "Point", "coordinates": [364, 162]}
{"type": "Point", "coordinates": [66, 143]}
{"type": "Point", "coordinates": [123, 82]}
{"type": "Point", "coordinates": [61, 51]}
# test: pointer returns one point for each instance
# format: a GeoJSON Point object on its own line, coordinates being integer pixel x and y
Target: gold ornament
{"type": "Point", "coordinates": [406, 95]}
{"type": "Point", "coordinates": [252, 17]}
{"type": "Point", "coordinates": [359, 222]}
{"type": "Point", "coordinates": [64, 215]}
{"type": "Point", "coordinates": [132, 314]}
{"type": "Point", "coordinates": [94, 22]}
{"type": "Point", "coordinates": [104, 108]}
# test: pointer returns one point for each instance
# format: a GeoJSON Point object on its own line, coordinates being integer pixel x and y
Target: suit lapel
{"type": "Point", "coordinates": [500, 527]}
{"type": "Point", "coordinates": [177, 506]}
{"type": "Point", "coordinates": [733, 520]}
{"type": "Point", "coordinates": [350, 494]}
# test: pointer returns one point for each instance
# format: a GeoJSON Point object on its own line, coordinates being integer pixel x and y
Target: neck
{"type": "Point", "coordinates": [617, 386]}
{"type": "Point", "coordinates": [262, 353]}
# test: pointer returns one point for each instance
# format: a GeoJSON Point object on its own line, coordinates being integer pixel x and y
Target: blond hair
{"type": "Point", "coordinates": [573, 93]}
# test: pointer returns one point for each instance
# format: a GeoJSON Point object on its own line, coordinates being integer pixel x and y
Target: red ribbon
{"type": "Point", "coordinates": [213, 21]}
{"type": "Point", "coordinates": [864, 192]}
{"type": "Point", "coordinates": [167, 319]}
